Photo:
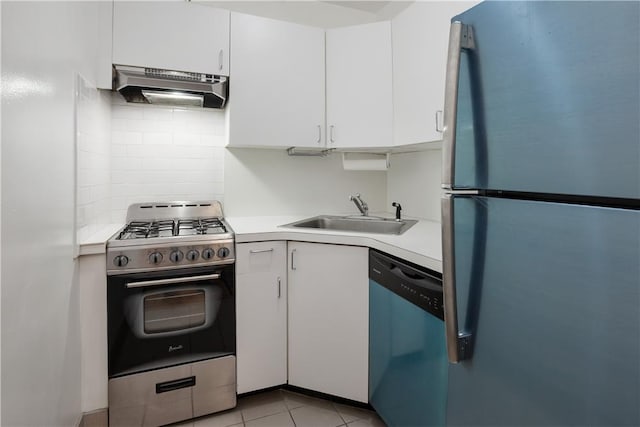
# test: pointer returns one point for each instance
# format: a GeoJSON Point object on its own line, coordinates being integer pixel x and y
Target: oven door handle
{"type": "Point", "coordinates": [173, 281]}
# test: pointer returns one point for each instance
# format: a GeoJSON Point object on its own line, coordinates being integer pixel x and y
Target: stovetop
{"type": "Point", "coordinates": [172, 235]}
{"type": "Point", "coordinates": [169, 228]}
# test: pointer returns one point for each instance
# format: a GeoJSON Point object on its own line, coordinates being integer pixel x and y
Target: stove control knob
{"type": "Point", "coordinates": [208, 253]}
{"type": "Point", "coordinates": [121, 260]}
{"type": "Point", "coordinates": [155, 258]}
{"type": "Point", "coordinates": [176, 256]}
{"type": "Point", "coordinates": [223, 252]}
{"type": "Point", "coordinates": [192, 255]}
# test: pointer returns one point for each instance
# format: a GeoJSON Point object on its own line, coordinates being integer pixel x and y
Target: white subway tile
{"type": "Point", "coordinates": [157, 138]}
{"type": "Point", "coordinates": [156, 112]}
{"type": "Point", "coordinates": [126, 137]}
{"type": "Point", "coordinates": [212, 140]}
{"type": "Point", "coordinates": [126, 163]}
{"type": "Point", "coordinates": [180, 138]}
{"type": "Point", "coordinates": [127, 111]}
{"type": "Point", "coordinates": [119, 124]}
{"type": "Point", "coordinates": [119, 150]}
{"type": "Point", "coordinates": [139, 125]}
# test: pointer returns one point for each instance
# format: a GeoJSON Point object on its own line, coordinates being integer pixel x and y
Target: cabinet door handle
{"type": "Point", "coordinates": [293, 267]}
{"type": "Point", "coordinates": [319, 134]}
{"type": "Point", "coordinates": [279, 288]}
{"type": "Point", "coordinates": [439, 126]}
{"type": "Point", "coordinates": [331, 134]}
{"type": "Point", "coordinates": [220, 56]}
{"type": "Point", "coordinates": [259, 251]}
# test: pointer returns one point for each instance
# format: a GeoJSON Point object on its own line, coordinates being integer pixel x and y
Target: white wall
{"type": "Point", "coordinates": [413, 180]}
{"type": "Point", "coordinates": [164, 154]}
{"type": "Point", "coordinates": [43, 46]}
{"type": "Point", "coordinates": [268, 182]}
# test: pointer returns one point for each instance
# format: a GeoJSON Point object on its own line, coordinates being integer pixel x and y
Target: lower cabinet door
{"type": "Point", "coordinates": [328, 319]}
{"type": "Point", "coordinates": [261, 302]}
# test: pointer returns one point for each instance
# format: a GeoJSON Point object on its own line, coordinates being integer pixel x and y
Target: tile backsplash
{"type": "Point", "coordinates": [164, 154]}
{"type": "Point", "coordinates": [93, 174]}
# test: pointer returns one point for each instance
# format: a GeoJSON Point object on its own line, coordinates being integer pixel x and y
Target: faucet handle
{"type": "Point", "coordinates": [398, 209]}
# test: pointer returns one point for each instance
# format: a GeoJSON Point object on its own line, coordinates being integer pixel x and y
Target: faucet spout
{"type": "Point", "coordinates": [360, 204]}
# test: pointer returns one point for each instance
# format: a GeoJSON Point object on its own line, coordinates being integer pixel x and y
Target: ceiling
{"type": "Point", "coordinates": [323, 14]}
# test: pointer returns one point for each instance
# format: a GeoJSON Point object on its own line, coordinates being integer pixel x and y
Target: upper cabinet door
{"type": "Point", "coordinates": [359, 99]}
{"type": "Point", "coordinates": [420, 40]}
{"type": "Point", "coordinates": [277, 88]}
{"type": "Point", "coordinates": [173, 35]}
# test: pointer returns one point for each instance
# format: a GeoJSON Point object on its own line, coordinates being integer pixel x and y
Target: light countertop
{"type": "Point", "coordinates": [93, 240]}
{"type": "Point", "coordinates": [421, 244]}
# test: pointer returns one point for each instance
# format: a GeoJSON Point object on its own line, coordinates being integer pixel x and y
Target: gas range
{"type": "Point", "coordinates": [169, 236]}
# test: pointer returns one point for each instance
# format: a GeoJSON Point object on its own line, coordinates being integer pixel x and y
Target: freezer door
{"type": "Point", "coordinates": [548, 99]}
{"type": "Point", "coordinates": [551, 295]}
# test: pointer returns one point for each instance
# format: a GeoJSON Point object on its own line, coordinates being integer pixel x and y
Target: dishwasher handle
{"type": "Point", "coordinates": [421, 280]}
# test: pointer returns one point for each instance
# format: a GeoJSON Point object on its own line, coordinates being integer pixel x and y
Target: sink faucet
{"type": "Point", "coordinates": [398, 209]}
{"type": "Point", "coordinates": [360, 204]}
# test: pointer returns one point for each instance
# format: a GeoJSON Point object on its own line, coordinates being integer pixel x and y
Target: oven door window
{"type": "Point", "coordinates": [174, 311]}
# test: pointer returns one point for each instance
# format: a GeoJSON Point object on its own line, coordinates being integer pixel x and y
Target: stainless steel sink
{"type": "Point", "coordinates": [360, 224]}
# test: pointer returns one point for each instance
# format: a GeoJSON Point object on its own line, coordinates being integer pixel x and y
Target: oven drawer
{"type": "Point", "coordinates": [215, 388]}
{"type": "Point", "coordinates": [169, 395]}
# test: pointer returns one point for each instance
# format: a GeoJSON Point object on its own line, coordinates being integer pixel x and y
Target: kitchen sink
{"type": "Point", "coordinates": [360, 224]}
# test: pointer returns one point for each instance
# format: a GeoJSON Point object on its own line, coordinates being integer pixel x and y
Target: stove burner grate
{"type": "Point", "coordinates": [169, 228]}
{"type": "Point", "coordinates": [147, 229]}
{"type": "Point", "coordinates": [200, 226]}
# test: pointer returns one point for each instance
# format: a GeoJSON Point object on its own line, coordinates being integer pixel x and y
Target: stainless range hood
{"type": "Point", "coordinates": [168, 87]}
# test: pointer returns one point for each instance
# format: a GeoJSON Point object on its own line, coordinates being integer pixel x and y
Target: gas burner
{"type": "Point", "coordinates": [147, 229]}
{"type": "Point", "coordinates": [189, 227]}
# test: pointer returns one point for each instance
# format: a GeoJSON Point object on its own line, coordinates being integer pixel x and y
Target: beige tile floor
{"type": "Point", "coordinates": [282, 408]}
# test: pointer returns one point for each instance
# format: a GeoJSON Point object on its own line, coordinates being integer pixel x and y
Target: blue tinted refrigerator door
{"type": "Point", "coordinates": [549, 99]}
{"type": "Point", "coordinates": [551, 295]}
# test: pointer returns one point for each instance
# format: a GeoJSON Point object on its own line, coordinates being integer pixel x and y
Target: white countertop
{"type": "Point", "coordinates": [421, 244]}
{"type": "Point", "coordinates": [93, 240]}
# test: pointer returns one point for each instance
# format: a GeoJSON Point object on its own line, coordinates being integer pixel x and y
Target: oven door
{"type": "Point", "coordinates": [163, 319]}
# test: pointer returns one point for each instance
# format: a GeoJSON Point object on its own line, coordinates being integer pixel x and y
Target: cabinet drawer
{"type": "Point", "coordinates": [215, 388]}
{"type": "Point", "coordinates": [135, 400]}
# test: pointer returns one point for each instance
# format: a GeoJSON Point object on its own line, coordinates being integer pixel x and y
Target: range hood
{"type": "Point", "coordinates": [168, 87]}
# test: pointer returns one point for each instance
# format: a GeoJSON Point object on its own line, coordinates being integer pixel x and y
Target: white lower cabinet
{"type": "Point", "coordinates": [328, 319]}
{"type": "Point", "coordinates": [261, 315]}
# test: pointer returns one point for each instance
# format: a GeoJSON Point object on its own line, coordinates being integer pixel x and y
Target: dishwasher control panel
{"type": "Point", "coordinates": [419, 286]}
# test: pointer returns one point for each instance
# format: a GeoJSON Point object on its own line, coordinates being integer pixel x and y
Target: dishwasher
{"type": "Point", "coordinates": [407, 351]}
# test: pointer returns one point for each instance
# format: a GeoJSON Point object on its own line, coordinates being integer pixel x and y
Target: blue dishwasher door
{"type": "Point", "coordinates": [407, 352]}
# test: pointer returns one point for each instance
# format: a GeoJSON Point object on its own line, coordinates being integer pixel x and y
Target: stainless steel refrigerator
{"type": "Point", "coordinates": [541, 220]}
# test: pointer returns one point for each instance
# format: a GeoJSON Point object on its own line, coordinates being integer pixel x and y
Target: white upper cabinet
{"type": "Point", "coordinates": [276, 92]}
{"type": "Point", "coordinates": [420, 36]}
{"type": "Point", "coordinates": [173, 35]}
{"type": "Point", "coordinates": [359, 86]}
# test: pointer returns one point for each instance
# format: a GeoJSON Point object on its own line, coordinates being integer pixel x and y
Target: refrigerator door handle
{"type": "Point", "coordinates": [460, 37]}
{"type": "Point", "coordinates": [458, 343]}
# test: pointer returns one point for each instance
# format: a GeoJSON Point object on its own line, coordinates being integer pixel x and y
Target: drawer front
{"type": "Point", "coordinates": [149, 398]}
{"type": "Point", "coordinates": [215, 388]}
